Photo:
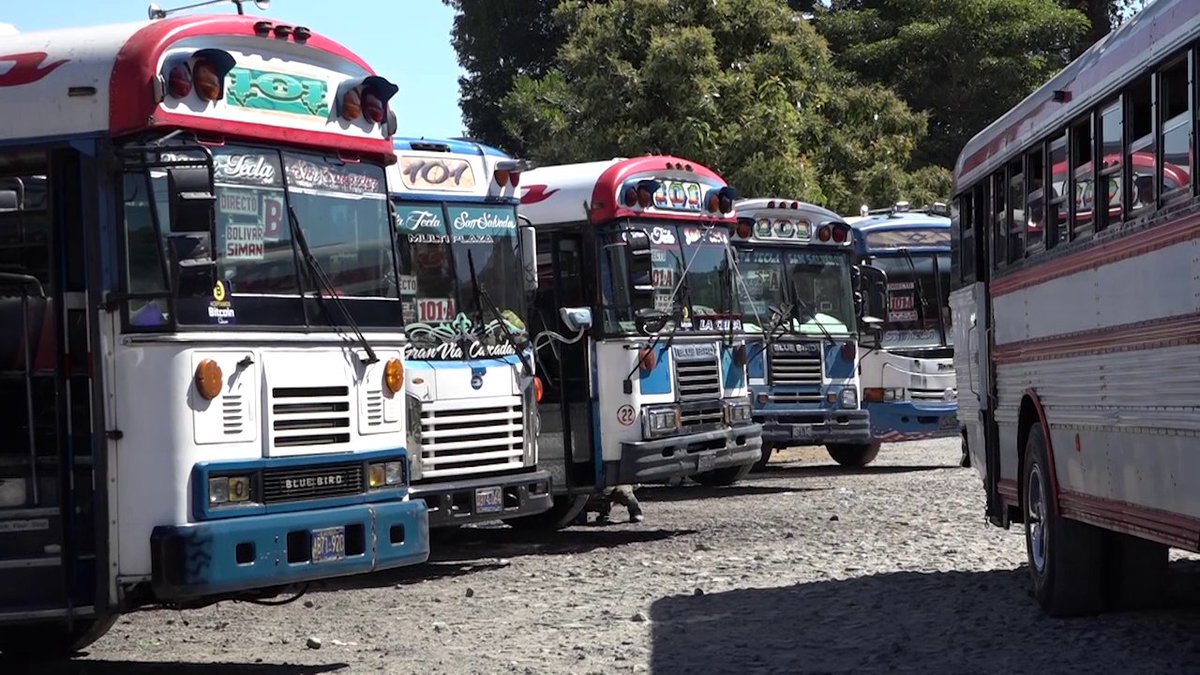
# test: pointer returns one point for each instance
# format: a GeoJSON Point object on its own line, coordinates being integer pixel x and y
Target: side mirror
{"type": "Point", "coordinates": [640, 264]}
{"type": "Point", "coordinates": [193, 270]}
{"type": "Point", "coordinates": [872, 296]}
{"type": "Point", "coordinates": [190, 194]}
{"type": "Point", "coordinates": [650, 321]}
{"type": "Point", "coordinates": [577, 319]}
{"type": "Point", "coordinates": [529, 254]}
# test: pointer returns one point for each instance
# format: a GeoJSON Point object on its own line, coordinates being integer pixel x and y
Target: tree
{"type": "Point", "coordinates": [743, 86]}
{"type": "Point", "coordinates": [962, 62]}
{"type": "Point", "coordinates": [1102, 15]}
{"type": "Point", "coordinates": [496, 40]}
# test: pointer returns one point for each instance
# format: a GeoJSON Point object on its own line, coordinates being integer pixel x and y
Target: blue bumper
{"type": "Point", "coordinates": [252, 552]}
{"type": "Point", "coordinates": [908, 421]}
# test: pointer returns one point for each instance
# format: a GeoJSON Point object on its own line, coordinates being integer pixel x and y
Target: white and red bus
{"type": "Point", "coordinates": [1075, 312]}
{"type": "Point", "coordinates": [201, 332]}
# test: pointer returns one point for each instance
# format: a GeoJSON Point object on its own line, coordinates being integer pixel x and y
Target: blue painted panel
{"type": "Point", "coordinates": [902, 421]}
{"type": "Point", "coordinates": [757, 367]}
{"type": "Point", "coordinates": [836, 365]}
{"type": "Point", "coordinates": [658, 380]}
{"type": "Point", "coordinates": [734, 375]}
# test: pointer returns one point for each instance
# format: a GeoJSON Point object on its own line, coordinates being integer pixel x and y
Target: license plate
{"type": "Point", "coordinates": [328, 544]}
{"type": "Point", "coordinates": [706, 462]}
{"type": "Point", "coordinates": [802, 431]}
{"type": "Point", "coordinates": [489, 500]}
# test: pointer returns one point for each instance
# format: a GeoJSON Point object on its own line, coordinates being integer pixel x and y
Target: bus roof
{"type": "Point", "coordinates": [452, 169]}
{"type": "Point", "coordinates": [786, 221]}
{"type": "Point", "coordinates": [1153, 33]}
{"type": "Point", "coordinates": [895, 231]}
{"type": "Point", "coordinates": [592, 191]}
{"type": "Point", "coordinates": [115, 79]}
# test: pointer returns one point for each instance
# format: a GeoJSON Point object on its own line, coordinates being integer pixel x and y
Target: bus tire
{"type": "Point", "coordinates": [1065, 556]}
{"type": "Point", "coordinates": [723, 477]}
{"type": "Point", "coordinates": [562, 514]}
{"type": "Point", "coordinates": [762, 462]}
{"type": "Point", "coordinates": [46, 641]}
{"type": "Point", "coordinates": [853, 454]}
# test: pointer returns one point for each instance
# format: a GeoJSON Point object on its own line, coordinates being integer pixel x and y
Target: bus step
{"type": "Point", "coordinates": [43, 561]}
{"type": "Point", "coordinates": [31, 584]}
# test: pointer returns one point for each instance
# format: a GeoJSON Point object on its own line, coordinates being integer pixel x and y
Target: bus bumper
{"type": "Point", "coordinates": [661, 459]}
{"type": "Point", "coordinates": [239, 554]}
{"type": "Point", "coordinates": [908, 421]}
{"type": "Point", "coordinates": [479, 500]}
{"type": "Point", "coordinates": [788, 428]}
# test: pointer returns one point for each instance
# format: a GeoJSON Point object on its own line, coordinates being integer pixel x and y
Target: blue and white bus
{"type": "Point", "coordinates": [908, 383]}
{"type": "Point", "coordinates": [470, 385]}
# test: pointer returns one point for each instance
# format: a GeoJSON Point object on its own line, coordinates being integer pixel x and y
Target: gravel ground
{"type": "Point", "coordinates": [803, 568]}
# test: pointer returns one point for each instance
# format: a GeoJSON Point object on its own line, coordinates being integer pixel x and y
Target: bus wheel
{"type": "Point", "coordinates": [562, 514]}
{"type": "Point", "coordinates": [965, 460]}
{"type": "Point", "coordinates": [761, 464]}
{"type": "Point", "coordinates": [1064, 555]}
{"type": "Point", "coordinates": [853, 454]}
{"type": "Point", "coordinates": [723, 477]}
{"type": "Point", "coordinates": [49, 641]}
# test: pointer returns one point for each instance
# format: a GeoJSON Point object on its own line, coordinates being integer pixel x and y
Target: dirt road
{"type": "Point", "coordinates": [804, 568]}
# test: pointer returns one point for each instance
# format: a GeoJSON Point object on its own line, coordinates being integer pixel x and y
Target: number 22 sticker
{"type": "Point", "coordinates": [626, 415]}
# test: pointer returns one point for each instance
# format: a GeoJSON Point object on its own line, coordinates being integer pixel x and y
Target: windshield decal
{"type": "Point", "coordinates": [305, 174]}
{"type": "Point", "coordinates": [907, 238]}
{"type": "Point", "coordinates": [220, 309]}
{"type": "Point", "coordinates": [461, 338]}
{"type": "Point", "coordinates": [662, 235]}
{"type": "Point", "coordinates": [429, 173]}
{"type": "Point", "coordinates": [245, 169]}
{"type": "Point", "coordinates": [482, 225]}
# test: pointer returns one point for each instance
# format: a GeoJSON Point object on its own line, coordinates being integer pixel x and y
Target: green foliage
{"type": "Point", "coordinates": [744, 86]}
{"type": "Point", "coordinates": [962, 62]}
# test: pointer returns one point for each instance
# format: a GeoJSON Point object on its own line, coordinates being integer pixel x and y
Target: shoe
{"type": "Point", "coordinates": [636, 518]}
{"type": "Point", "coordinates": [604, 519]}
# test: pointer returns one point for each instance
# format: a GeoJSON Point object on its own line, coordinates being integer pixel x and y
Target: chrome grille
{"type": "Point", "coordinates": [797, 397]}
{"type": "Point", "coordinates": [233, 414]}
{"type": "Point", "coordinates": [938, 395]}
{"type": "Point", "coordinates": [705, 415]}
{"type": "Point", "coordinates": [310, 416]}
{"type": "Point", "coordinates": [312, 482]}
{"type": "Point", "coordinates": [799, 367]}
{"type": "Point", "coordinates": [471, 436]}
{"type": "Point", "coordinates": [698, 381]}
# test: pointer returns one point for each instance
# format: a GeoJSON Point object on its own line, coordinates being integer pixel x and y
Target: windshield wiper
{"type": "Point", "coordinates": [804, 309]}
{"type": "Point", "coordinates": [481, 293]}
{"type": "Point", "coordinates": [937, 288]}
{"type": "Point", "coordinates": [920, 290]}
{"type": "Point", "coordinates": [314, 269]}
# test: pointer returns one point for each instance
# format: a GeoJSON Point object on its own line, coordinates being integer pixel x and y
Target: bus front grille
{"type": "Point", "coordinates": [698, 380]}
{"type": "Point", "coordinates": [796, 369]}
{"type": "Point", "coordinates": [312, 482]}
{"type": "Point", "coordinates": [310, 416]}
{"type": "Point", "coordinates": [471, 437]}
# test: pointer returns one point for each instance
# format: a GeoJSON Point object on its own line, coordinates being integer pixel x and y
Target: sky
{"type": "Point", "coordinates": [409, 46]}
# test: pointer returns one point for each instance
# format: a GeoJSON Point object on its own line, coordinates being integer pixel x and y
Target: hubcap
{"type": "Point", "coordinates": [1035, 518]}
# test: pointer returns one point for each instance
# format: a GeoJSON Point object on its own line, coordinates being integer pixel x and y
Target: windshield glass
{"type": "Point", "coordinates": [702, 299]}
{"type": "Point", "coordinates": [905, 325]}
{"type": "Point", "coordinates": [443, 303]}
{"type": "Point", "coordinates": [819, 281]}
{"type": "Point", "coordinates": [341, 208]}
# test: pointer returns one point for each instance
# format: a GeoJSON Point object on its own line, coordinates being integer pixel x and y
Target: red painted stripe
{"type": "Point", "coordinates": [1166, 527]}
{"type": "Point", "coordinates": [1171, 331]}
{"type": "Point", "coordinates": [1122, 248]}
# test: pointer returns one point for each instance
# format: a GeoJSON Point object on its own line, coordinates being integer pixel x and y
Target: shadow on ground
{"type": "Point", "coordinates": [928, 622]}
{"type": "Point", "coordinates": [797, 469]}
{"type": "Point", "coordinates": [163, 667]}
{"type": "Point", "coordinates": [689, 491]}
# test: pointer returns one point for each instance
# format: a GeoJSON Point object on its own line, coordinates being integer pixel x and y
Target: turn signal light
{"type": "Point", "coordinates": [643, 197]}
{"type": "Point", "coordinates": [209, 379]}
{"type": "Point", "coordinates": [351, 105]}
{"type": "Point", "coordinates": [537, 389]}
{"type": "Point", "coordinates": [373, 108]}
{"type": "Point", "coordinates": [393, 375]}
{"type": "Point", "coordinates": [823, 233]}
{"type": "Point", "coordinates": [840, 233]}
{"type": "Point", "coordinates": [872, 394]}
{"type": "Point", "coordinates": [179, 81]}
{"type": "Point", "coordinates": [501, 177]}
{"type": "Point", "coordinates": [630, 198]}
{"type": "Point", "coordinates": [207, 80]}
{"type": "Point", "coordinates": [744, 229]}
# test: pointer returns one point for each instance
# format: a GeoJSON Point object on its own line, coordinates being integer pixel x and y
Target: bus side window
{"type": "Point", "coordinates": [1081, 173]}
{"type": "Point", "coordinates": [1174, 95]}
{"type": "Point", "coordinates": [1139, 149]}
{"type": "Point", "coordinates": [1016, 211]}
{"type": "Point", "coordinates": [999, 220]}
{"type": "Point", "coordinates": [1108, 199]}
{"type": "Point", "coordinates": [965, 237]}
{"type": "Point", "coordinates": [1056, 216]}
{"type": "Point", "coordinates": [1035, 200]}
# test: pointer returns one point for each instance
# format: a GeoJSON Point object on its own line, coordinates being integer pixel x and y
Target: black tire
{"type": "Point", "coordinates": [723, 477]}
{"type": "Point", "coordinates": [761, 464]}
{"type": "Point", "coordinates": [562, 514]}
{"type": "Point", "coordinates": [965, 460]}
{"type": "Point", "coordinates": [1136, 572]}
{"type": "Point", "coordinates": [49, 641]}
{"type": "Point", "coordinates": [853, 454]}
{"type": "Point", "coordinates": [1065, 556]}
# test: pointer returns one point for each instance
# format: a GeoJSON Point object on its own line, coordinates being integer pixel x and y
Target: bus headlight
{"type": "Point", "coordinates": [228, 490]}
{"type": "Point", "coordinates": [737, 412]}
{"type": "Point", "coordinates": [849, 398]}
{"type": "Point", "coordinates": [385, 475]}
{"type": "Point", "coordinates": [660, 421]}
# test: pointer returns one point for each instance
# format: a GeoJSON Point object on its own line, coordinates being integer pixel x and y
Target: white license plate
{"type": "Point", "coordinates": [489, 500]}
{"type": "Point", "coordinates": [802, 431]}
{"type": "Point", "coordinates": [328, 544]}
{"type": "Point", "coordinates": [706, 462]}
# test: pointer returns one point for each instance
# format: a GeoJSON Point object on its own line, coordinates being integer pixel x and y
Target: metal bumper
{"type": "Point", "coordinates": [454, 502]}
{"type": "Point", "coordinates": [224, 556]}
{"type": "Point", "coordinates": [685, 455]}
{"type": "Point", "coordinates": [783, 428]}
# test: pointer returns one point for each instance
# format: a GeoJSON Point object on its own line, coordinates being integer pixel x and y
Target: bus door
{"type": "Point", "coordinates": [48, 548]}
{"type": "Point", "coordinates": [565, 442]}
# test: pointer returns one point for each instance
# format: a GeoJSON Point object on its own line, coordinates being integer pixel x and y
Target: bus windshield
{"type": "Point", "coordinates": [914, 301]}
{"type": "Point", "coordinates": [439, 244]}
{"type": "Point", "coordinates": [340, 208]}
{"type": "Point", "coordinates": [702, 299]}
{"type": "Point", "coordinates": [818, 282]}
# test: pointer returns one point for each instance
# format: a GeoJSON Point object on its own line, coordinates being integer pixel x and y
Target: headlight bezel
{"type": "Point", "coordinates": [737, 412]}
{"type": "Point", "coordinates": [230, 490]}
{"type": "Point", "coordinates": [660, 420]}
{"type": "Point", "coordinates": [848, 398]}
{"type": "Point", "coordinates": [388, 475]}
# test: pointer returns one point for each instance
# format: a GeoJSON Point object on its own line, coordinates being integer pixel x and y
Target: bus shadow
{"type": "Point", "coordinates": [977, 622]}
{"type": "Point", "coordinates": [110, 667]}
{"type": "Point", "coordinates": [801, 469]}
{"type": "Point", "coordinates": [690, 491]}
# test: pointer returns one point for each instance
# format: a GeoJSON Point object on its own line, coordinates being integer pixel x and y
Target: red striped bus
{"type": "Point", "coordinates": [1077, 315]}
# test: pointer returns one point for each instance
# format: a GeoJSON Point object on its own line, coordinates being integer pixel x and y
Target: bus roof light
{"type": "Point", "coordinates": [515, 176]}
{"type": "Point", "coordinates": [262, 28]}
{"type": "Point", "coordinates": [726, 196]}
{"type": "Point", "coordinates": [839, 234]}
{"type": "Point", "coordinates": [351, 104]}
{"type": "Point", "coordinates": [823, 233]}
{"type": "Point", "coordinates": [300, 34]}
{"type": "Point", "coordinates": [373, 108]}
{"type": "Point", "coordinates": [630, 198]}
{"type": "Point", "coordinates": [501, 176]}
{"type": "Point", "coordinates": [283, 32]}
{"type": "Point", "coordinates": [208, 73]}
{"type": "Point", "coordinates": [179, 81]}
{"type": "Point", "coordinates": [645, 192]}
{"type": "Point", "coordinates": [745, 227]}
{"type": "Point", "coordinates": [795, 205]}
